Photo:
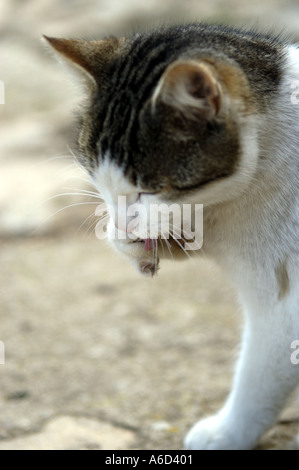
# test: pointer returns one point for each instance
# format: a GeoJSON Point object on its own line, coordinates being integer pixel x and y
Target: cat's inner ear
{"type": "Point", "coordinates": [88, 59]}
{"type": "Point", "coordinates": [191, 88]}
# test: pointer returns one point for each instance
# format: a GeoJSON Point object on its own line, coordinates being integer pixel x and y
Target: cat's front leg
{"type": "Point", "coordinates": [264, 378]}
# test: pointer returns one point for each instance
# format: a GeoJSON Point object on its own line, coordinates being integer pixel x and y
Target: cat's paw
{"type": "Point", "coordinates": [214, 434]}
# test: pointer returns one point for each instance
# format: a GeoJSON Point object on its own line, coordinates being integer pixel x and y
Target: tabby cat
{"type": "Point", "coordinates": [204, 114]}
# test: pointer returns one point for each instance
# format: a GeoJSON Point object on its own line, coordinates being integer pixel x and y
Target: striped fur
{"type": "Point", "coordinates": [208, 114]}
{"type": "Point", "coordinates": [117, 119]}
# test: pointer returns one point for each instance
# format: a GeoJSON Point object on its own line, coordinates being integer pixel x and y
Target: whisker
{"type": "Point", "coordinates": [85, 192]}
{"type": "Point", "coordinates": [168, 245]}
{"type": "Point", "coordinates": [76, 161]}
{"type": "Point", "coordinates": [70, 172]}
{"type": "Point", "coordinates": [166, 242]}
{"type": "Point", "coordinates": [60, 210]}
{"type": "Point", "coordinates": [194, 252]}
{"type": "Point", "coordinates": [66, 194]}
{"type": "Point", "coordinates": [198, 252]}
{"type": "Point", "coordinates": [160, 240]}
{"type": "Point", "coordinates": [83, 223]}
{"type": "Point", "coordinates": [90, 229]}
{"type": "Point", "coordinates": [175, 231]}
{"type": "Point", "coordinates": [156, 252]}
{"type": "Point", "coordinates": [50, 159]}
{"type": "Point", "coordinates": [94, 224]}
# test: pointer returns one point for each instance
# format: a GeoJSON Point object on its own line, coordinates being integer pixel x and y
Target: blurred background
{"type": "Point", "coordinates": [96, 357]}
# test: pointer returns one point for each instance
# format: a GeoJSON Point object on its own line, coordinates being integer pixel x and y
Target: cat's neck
{"type": "Point", "coordinates": [258, 229]}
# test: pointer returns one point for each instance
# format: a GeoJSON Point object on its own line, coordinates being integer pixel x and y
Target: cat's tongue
{"type": "Point", "coordinates": [149, 244]}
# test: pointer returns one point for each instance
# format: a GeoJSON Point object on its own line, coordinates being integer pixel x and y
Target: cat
{"type": "Point", "coordinates": [206, 114]}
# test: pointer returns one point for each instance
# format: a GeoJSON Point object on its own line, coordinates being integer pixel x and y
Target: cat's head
{"type": "Point", "coordinates": [163, 120]}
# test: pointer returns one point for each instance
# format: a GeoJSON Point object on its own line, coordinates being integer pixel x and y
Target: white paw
{"type": "Point", "coordinates": [214, 434]}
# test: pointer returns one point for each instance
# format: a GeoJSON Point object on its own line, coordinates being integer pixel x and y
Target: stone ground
{"type": "Point", "coordinates": [95, 356]}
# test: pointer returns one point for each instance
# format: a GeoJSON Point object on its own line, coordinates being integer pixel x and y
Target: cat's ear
{"type": "Point", "coordinates": [191, 88]}
{"type": "Point", "coordinates": [88, 59]}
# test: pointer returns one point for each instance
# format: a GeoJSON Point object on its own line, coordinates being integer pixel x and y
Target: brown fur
{"type": "Point", "coordinates": [234, 81]}
{"type": "Point", "coordinates": [92, 56]}
{"type": "Point", "coordinates": [190, 79]}
{"type": "Point", "coordinates": [136, 115]}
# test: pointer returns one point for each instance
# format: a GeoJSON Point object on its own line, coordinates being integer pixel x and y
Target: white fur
{"type": "Point", "coordinates": [259, 230]}
{"type": "Point", "coordinates": [251, 223]}
{"type": "Point", "coordinates": [111, 183]}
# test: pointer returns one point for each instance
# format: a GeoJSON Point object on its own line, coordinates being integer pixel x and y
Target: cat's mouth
{"type": "Point", "coordinates": [150, 244]}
